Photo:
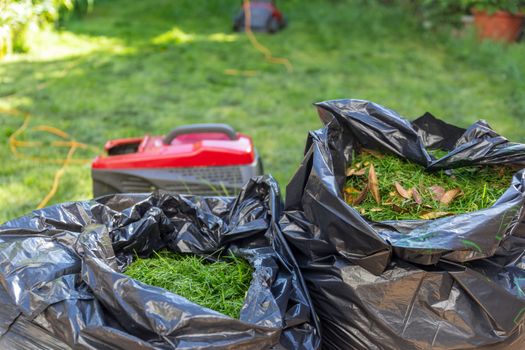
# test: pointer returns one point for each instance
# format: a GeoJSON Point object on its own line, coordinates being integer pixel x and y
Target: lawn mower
{"type": "Point", "coordinates": [265, 17]}
{"type": "Point", "coordinates": [198, 159]}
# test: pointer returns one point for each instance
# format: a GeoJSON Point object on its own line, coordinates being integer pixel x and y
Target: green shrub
{"type": "Point", "coordinates": [19, 18]}
{"type": "Point", "coordinates": [438, 13]}
{"type": "Point", "coordinates": [491, 6]}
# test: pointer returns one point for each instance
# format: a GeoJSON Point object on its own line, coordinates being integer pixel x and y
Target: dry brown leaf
{"type": "Point", "coordinates": [417, 197]}
{"type": "Point", "coordinates": [373, 184]}
{"type": "Point", "coordinates": [437, 192]}
{"type": "Point", "coordinates": [402, 192]}
{"type": "Point", "coordinates": [351, 190]}
{"type": "Point", "coordinates": [398, 209]}
{"type": "Point", "coordinates": [374, 153]}
{"type": "Point", "coordinates": [356, 172]}
{"type": "Point", "coordinates": [429, 215]}
{"type": "Point", "coordinates": [361, 197]}
{"type": "Point", "coordinates": [449, 196]}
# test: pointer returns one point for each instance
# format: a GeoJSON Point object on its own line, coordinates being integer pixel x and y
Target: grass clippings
{"type": "Point", "coordinates": [220, 286]}
{"type": "Point", "coordinates": [385, 187]}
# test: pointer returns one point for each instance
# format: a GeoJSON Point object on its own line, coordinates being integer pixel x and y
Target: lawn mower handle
{"type": "Point", "coordinates": [200, 128]}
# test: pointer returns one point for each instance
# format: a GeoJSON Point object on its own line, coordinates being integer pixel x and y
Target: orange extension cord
{"type": "Point", "coordinates": [258, 46]}
{"type": "Point", "coordinates": [266, 52]}
{"type": "Point", "coordinates": [72, 144]}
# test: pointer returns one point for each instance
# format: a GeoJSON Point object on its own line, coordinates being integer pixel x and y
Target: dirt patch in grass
{"type": "Point", "coordinates": [384, 187]}
{"type": "Point", "coordinates": [220, 286]}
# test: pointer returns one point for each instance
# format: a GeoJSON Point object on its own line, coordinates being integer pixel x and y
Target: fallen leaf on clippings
{"type": "Point", "coordinates": [437, 192]}
{"type": "Point", "coordinates": [417, 197]}
{"type": "Point", "coordinates": [398, 209]}
{"type": "Point", "coordinates": [449, 196]}
{"type": "Point", "coordinates": [373, 184]}
{"type": "Point", "coordinates": [402, 192]}
{"type": "Point", "coordinates": [429, 215]}
{"type": "Point", "coordinates": [351, 190]}
{"type": "Point", "coordinates": [356, 172]}
{"type": "Point", "coordinates": [361, 197]}
{"type": "Point", "coordinates": [374, 153]}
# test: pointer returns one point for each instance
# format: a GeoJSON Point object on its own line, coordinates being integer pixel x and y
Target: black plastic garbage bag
{"type": "Point", "coordinates": [452, 283]}
{"type": "Point", "coordinates": [62, 286]}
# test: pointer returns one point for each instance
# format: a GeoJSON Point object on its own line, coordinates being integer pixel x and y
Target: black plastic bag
{"type": "Point", "coordinates": [452, 283]}
{"type": "Point", "coordinates": [62, 286]}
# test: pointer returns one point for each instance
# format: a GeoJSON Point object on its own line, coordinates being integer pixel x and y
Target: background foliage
{"type": "Point", "coordinates": [19, 19]}
{"type": "Point", "coordinates": [437, 15]}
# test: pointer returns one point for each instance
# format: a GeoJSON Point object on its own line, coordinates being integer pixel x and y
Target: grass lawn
{"type": "Point", "coordinates": [135, 67]}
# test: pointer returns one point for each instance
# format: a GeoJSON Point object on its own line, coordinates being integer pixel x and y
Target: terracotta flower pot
{"type": "Point", "coordinates": [501, 25]}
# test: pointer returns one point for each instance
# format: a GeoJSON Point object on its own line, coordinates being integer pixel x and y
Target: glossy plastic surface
{"type": "Point", "coordinates": [62, 281]}
{"type": "Point", "coordinates": [451, 283]}
{"type": "Point", "coordinates": [189, 150]}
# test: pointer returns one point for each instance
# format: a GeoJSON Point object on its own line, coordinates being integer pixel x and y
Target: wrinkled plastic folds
{"type": "Point", "coordinates": [452, 283]}
{"type": "Point", "coordinates": [62, 284]}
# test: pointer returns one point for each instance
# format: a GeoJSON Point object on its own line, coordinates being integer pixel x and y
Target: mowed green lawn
{"type": "Point", "coordinates": [136, 67]}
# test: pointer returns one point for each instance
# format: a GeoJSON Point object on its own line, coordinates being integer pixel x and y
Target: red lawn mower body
{"type": "Point", "coordinates": [199, 159]}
